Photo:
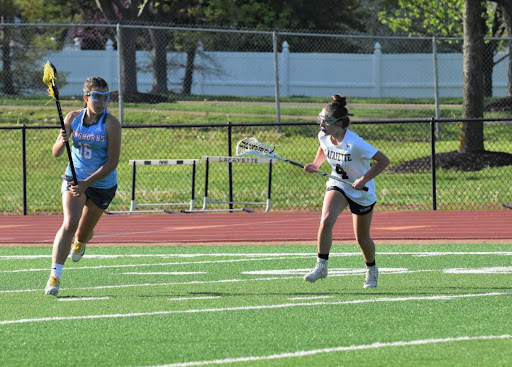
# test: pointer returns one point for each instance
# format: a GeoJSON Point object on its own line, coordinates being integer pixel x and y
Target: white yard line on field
{"type": "Point", "coordinates": [334, 254]}
{"type": "Point", "coordinates": [304, 353]}
{"type": "Point", "coordinates": [490, 270]}
{"type": "Point", "coordinates": [209, 281]}
{"type": "Point", "coordinates": [120, 256]}
{"type": "Point", "coordinates": [258, 307]}
{"type": "Point", "coordinates": [332, 271]}
{"type": "Point", "coordinates": [157, 264]}
{"type": "Point", "coordinates": [249, 257]}
{"type": "Point", "coordinates": [156, 284]}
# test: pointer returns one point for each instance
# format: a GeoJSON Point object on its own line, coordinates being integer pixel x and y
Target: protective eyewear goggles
{"type": "Point", "coordinates": [330, 120]}
{"type": "Point", "coordinates": [99, 96]}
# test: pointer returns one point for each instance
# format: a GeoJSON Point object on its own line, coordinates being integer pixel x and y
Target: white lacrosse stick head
{"type": "Point", "coordinates": [252, 146]}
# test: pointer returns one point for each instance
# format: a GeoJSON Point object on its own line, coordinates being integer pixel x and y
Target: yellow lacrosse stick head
{"type": "Point", "coordinates": [49, 76]}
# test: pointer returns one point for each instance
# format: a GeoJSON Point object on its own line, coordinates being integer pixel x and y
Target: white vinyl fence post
{"type": "Point", "coordinates": [120, 73]}
{"type": "Point", "coordinates": [436, 87]}
{"type": "Point", "coordinates": [285, 59]}
{"type": "Point", "coordinates": [376, 69]}
{"type": "Point", "coordinates": [276, 75]}
{"type": "Point", "coordinates": [198, 75]}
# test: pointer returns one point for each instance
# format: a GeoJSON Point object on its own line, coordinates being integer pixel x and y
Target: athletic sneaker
{"type": "Point", "coordinates": [319, 272]}
{"type": "Point", "coordinates": [52, 287]}
{"type": "Point", "coordinates": [77, 251]}
{"type": "Point", "coordinates": [372, 277]}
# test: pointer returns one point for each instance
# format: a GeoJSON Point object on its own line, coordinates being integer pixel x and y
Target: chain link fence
{"type": "Point", "coordinates": [175, 88]}
{"type": "Point", "coordinates": [155, 64]}
{"type": "Point", "coordinates": [469, 181]}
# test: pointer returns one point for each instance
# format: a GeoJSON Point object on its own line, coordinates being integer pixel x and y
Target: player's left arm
{"type": "Point", "coordinates": [381, 162]}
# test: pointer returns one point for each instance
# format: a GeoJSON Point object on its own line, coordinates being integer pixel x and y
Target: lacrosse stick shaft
{"type": "Point", "coordinates": [316, 171]}
{"type": "Point", "coordinates": [49, 76]}
{"type": "Point", "coordinates": [253, 146]}
{"type": "Point", "coordinates": [68, 149]}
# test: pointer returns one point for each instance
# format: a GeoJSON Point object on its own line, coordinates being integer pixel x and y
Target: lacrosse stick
{"type": "Point", "coordinates": [253, 146]}
{"type": "Point", "coordinates": [49, 76]}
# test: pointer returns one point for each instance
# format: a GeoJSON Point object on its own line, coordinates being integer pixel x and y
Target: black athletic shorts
{"type": "Point", "coordinates": [355, 208]}
{"type": "Point", "coordinates": [100, 197]}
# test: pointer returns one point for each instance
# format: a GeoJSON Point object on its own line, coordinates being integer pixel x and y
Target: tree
{"type": "Point", "coordinates": [238, 13]}
{"type": "Point", "coordinates": [154, 11]}
{"type": "Point", "coordinates": [420, 17]}
{"type": "Point", "coordinates": [22, 50]}
{"type": "Point", "coordinates": [444, 18]}
{"type": "Point", "coordinates": [116, 11]}
{"type": "Point", "coordinates": [6, 74]}
{"type": "Point", "coordinates": [472, 133]}
{"type": "Point", "coordinates": [166, 11]}
{"type": "Point", "coordinates": [507, 16]}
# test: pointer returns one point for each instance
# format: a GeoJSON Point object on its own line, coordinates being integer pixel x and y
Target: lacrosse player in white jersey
{"type": "Point", "coordinates": [349, 156]}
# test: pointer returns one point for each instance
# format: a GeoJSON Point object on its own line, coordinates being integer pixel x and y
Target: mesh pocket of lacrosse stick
{"type": "Point", "coordinates": [49, 76]}
{"type": "Point", "coordinates": [251, 146]}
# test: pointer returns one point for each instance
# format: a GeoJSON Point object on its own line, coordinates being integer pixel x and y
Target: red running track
{"type": "Point", "coordinates": [406, 226]}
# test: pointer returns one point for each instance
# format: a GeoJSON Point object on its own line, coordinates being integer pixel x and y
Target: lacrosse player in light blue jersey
{"type": "Point", "coordinates": [96, 138]}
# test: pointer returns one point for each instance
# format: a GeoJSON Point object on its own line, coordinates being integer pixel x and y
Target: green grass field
{"type": "Point", "coordinates": [436, 305]}
{"type": "Point", "coordinates": [17, 110]}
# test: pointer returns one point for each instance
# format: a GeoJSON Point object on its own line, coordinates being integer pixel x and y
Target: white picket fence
{"type": "Point", "coordinates": [299, 74]}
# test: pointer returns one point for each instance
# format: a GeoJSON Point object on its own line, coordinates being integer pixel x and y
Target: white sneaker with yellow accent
{"type": "Point", "coordinates": [319, 272]}
{"type": "Point", "coordinates": [52, 287]}
{"type": "Point", "coordinates": [77, 250]}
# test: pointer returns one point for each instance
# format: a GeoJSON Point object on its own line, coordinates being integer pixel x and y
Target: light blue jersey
{"type": "Point", "coordinates": [89, 150]}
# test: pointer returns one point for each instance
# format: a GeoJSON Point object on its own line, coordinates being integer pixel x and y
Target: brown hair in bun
{"type": "Point", "coordinates": [337, 109]}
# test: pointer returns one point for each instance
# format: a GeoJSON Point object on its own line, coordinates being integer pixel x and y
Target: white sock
{"type": "Point", "coordinates": [56, 270]}
{"type": "Point", "coordinates": [80, 243]}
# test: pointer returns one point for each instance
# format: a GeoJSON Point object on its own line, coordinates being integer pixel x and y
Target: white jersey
{"type": "Point", "coordinates": [350, 160]}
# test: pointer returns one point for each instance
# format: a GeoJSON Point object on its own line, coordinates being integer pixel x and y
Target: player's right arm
{"type": "Point", "coordinates": [319, 159]}
{"type": "Point", "coordinates": [60, 143]}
